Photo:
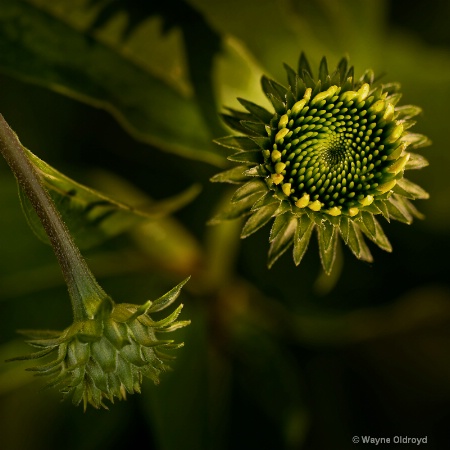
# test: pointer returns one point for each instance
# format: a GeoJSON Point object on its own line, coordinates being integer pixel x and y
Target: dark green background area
{"type": "Point", "coordinates": [279, 359]}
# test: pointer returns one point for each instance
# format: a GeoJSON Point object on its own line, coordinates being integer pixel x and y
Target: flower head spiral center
{"type": "Point", "coordinates": [328, 158]}
{"type": "Point", "coordinates": [332, 151]}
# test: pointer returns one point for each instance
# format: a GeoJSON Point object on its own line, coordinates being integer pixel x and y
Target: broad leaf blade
{"type": "Point", "coordinates": [93, 217]}
{"type": "Point", "coordinates": [37, 49]}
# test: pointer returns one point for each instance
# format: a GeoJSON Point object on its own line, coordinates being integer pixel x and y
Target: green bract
{"type": "Point", "coordinates": [330, 157]}
{"type": "Point", "coordinates": [108, 356]}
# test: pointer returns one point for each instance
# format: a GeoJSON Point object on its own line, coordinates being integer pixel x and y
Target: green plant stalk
{"type": "Point", "coordinates": [81, 283]}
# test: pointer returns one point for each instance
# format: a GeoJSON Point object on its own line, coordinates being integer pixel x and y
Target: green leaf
{"type": "Point", "coordinates": [248, 189]}
{"type": "Point", "coordinates": [272, 88]}
{"type": "Point", "coordinates": [327, 237]}
{"type": "Point", "coordinates": [235, 124]}
{"type": "Point", "coordinates": [262, 142]}
{"type": "Point", "coordinates": [303, 64]}
{"type": "Point", "coordinates": [267, 199]}
{"type": "Point", "coordinates": [412, 209]}
{"type": "Point", "coordinates": [282, 237]}
{"type": "Point", "coordinates": [416, 161]}
{"type": "Point", "coordinates": [167, 299]}
{"type": "Point", "coordinates": [351, 234]}
{"type": "Point", "coordinates": [278, 225]}
{"type": "Point", "coordinates": [416, 140]}
{"type": "Point", "coordinates": [257, 171]}
{"type": "Point", "coordinates": [407, 112]}
{"type": "Point", "coordinates": [192, 371]}
{"type": "Point", "coordinates": [323, 69]}
{"type": "Point", "coordinates": [398, 210]}
{"type": "Point", "coordinates": [258, 127]}
{"type": "Point", "coordinates": [37, 49]}
{"type": "Point", "coordinates": [201, 42]}
{"type": "Point", "coordinates": [91, 216]}
{"type": "Point", "coordinates": [381, 205]}
{"type": "Point", "coordinates": [284, 207]}
{"type": "Point", "coordinates": [410, 190]}
{"type": "Point", "coordinates": [395, 98]}
{"type": "Point", "coordinates": [368, 221]}
{"type": "Point", "coordinates": [292, 78]}
{"type": "Point", "coordinates": [237, 143]}
{"type": "Point", "coordinates": [372, 229]}
{"type": "Point", "coordinates": [258, 219]}
{"type": "Point", "coordinates": [253, 156]}
{"type": "Point", "coordinates": [302, 237]}
{"type": "Point", "coordinates": [233, 176]}
{"type": "Point", "coordinates": [258, 111]}
{"type": "Point", "coordinates": [238, 209]}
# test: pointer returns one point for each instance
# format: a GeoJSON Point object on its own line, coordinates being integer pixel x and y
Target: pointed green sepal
{"type": "Point", "coordinates": [248, 189]}
{"type": "Point", "coordinates": [258, 219]}
{"type": "Point", "coordinates": [233, 176]}
{"type": "Point", "coordinates": [302, 237]}
{"type": "Point", "coordinates": [283, 238]}
{"type": "Point", "coordinates": [351, 234]}
{"type": "Point", "coordinates": [327, 237]}
{"type": "Point", "coordinates": [408, 189]}
{"type": "Point", "coordinates": [240, 143]}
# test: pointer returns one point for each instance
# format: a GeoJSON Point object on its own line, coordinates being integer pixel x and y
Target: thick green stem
{"type": "Point", "coordinates": [85, 292]}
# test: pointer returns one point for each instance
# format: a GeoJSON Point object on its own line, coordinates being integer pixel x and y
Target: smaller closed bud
{"type": "Point", "coordinates": [108, 356]}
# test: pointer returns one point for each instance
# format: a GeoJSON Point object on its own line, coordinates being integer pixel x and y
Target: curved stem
{"type": "Point", "coordinates": [84, 291]}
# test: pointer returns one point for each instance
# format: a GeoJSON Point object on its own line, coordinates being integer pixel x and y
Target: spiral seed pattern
{"type": "Point", "coordinates": [329, 157]}
{"type": "Point", "coordinates": [335, 151]}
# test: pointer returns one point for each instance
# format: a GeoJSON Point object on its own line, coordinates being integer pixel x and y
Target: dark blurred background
{"type": "Point", "coordinates": [285, 358]}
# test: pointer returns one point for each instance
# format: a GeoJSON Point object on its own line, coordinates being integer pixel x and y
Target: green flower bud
{"type": "Point", "coordinates": [109, 348]}
{"type": "Point", "coordinates": [108, 356]}
{"type": "Point", "coordinates": [337, 158]}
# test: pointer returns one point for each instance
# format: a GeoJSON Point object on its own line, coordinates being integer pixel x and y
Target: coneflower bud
{"type": "Point", "coordinates": [109, 348]}
{"type": "Point", "coordinates": [331, 156]}
{"type": "Point", "coordinates": [107, 356]}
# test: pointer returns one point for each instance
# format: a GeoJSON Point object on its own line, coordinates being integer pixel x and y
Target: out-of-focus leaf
{"type": "Point", "coordinates": [13, 376]}
{"type": "Point", "coordinates": [39, 45]}
{"type": "Point", "coordinates": [419, 309]}
{"type": "Point", "coordinates": [238, 209]}
{"type": "Point", "coordinates": [169, 246]}
{"type": "Point", "coordinates": [181, 398]}
{"type": "Point", "coordinates": [269, 376]}
{"type": "Point", "coordinates": [201, 42]}
{"type": "Point", "coordinates": [318, 27]}
{"type": "Point", "coordinates": [91, 216]}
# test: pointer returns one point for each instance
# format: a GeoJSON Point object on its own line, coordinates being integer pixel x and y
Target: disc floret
{"type": "Point", "coordinates": [330, 157]}
{"type": "Point", "coordinates": [335, 152]}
